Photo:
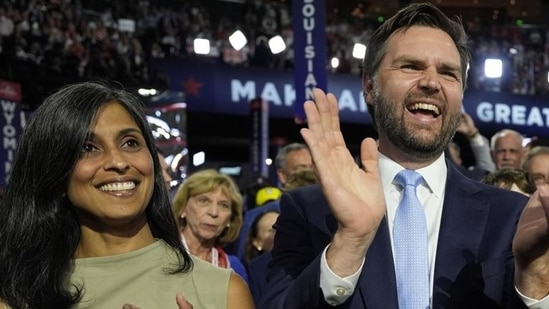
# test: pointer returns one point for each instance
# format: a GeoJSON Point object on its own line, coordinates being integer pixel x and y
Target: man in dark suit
{"type": "Point", "coordinates": [335, 243]}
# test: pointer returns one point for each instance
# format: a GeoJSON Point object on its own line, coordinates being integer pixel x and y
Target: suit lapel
{"type": "Point", "coordinates": [461, 229]}
{"type": "Point", "coordinates": [377, 285]}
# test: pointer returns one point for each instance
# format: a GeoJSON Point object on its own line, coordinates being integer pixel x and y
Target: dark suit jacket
{"type": "Point", "coordinates": [474, 263]}
{"type": "Point", "coordinates": [257, 275]}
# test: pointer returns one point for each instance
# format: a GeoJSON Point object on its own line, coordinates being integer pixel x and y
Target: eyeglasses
{"type": "Point", "coordinates": [538, 178]}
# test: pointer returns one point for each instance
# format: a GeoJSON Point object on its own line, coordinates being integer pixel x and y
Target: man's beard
{"type": "Point", "coordinates": [390, 122]}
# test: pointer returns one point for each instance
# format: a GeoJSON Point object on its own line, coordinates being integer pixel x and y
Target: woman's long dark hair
{"type": "Point", "coordinates": [39, 230]}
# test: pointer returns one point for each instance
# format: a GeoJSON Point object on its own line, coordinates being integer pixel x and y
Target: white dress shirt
{"type": "Point", "coordinates": [337, 290]}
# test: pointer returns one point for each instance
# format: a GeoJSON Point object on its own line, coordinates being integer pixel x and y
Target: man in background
{"type": "Point", "coordinates": [290, 158]}
{"type": "Point", "coordinates": [536, 165]}
{"type": "Point", "coordinates": [507, 149]}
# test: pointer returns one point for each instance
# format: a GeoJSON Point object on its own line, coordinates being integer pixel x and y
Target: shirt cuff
{"type": "Point", "coordinates": [534, 303]}
{"type": "Point", "coordinates": [336, 290]}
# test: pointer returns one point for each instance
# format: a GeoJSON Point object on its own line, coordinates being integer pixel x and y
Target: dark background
{"type": "Point", "coordinates": [226, 138]}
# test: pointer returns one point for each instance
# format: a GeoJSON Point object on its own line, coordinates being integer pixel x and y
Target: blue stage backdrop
{"type": "Point", "coordinates": [228, 90]}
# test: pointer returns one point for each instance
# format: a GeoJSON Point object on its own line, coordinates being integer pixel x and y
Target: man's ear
{"type": "Point", "coordinates": [368, 88]}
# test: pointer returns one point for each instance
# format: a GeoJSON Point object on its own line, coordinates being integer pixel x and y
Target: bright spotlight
{"type": "Point", "coordinates": [199, 158]}
{"type": "Point", "coordinates": [238, 40]}
{"type": "Point", "coordinates": [359, 50]}
{"type": "Point", "coordinates": [493, 68]}
{"type": "Point", "coordinates": [276, 44]}
{"type": "Point", "coordinates": [334, 62]}
{"type": "Point", "coordinates": [202, 46]}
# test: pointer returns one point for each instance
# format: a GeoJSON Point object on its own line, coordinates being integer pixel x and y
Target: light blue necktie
{"type": "Point", "coordinates": [411, 245]}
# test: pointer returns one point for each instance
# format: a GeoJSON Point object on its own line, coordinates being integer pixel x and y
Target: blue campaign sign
{"type": "Point", "coordinates": [228, 89]}
{"type": "Point", "coordinates": [309, 43]}
{"type": "Point", "coordinates": [12, 124]}
{"type": "Point", "coordinates": [494, 111]}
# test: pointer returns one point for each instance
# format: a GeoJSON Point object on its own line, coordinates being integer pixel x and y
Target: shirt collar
{"type": "Point", "coordinates": [432, 174]}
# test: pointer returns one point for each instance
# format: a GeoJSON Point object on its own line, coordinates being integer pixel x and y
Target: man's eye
{"type": "Point", "coordinates": [449, 74]}
{"type": "Point", "coordinates": [409, 67]}
{"type": "Point", "coordinates": [538, 178]}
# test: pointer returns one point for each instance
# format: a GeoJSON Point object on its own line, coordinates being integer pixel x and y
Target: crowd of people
{"type": "Point", "coordinates": [88, 210]}
{"type": "Point", "coordinates": [61, 41]}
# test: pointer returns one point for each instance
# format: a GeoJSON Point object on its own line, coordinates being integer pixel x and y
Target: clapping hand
{"type": "Point", "coordinates": [355, 194]}
{"type": "Point", "coordinates": [531, 246]}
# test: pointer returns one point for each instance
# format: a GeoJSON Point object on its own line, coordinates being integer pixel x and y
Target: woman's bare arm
{"type": "Point", "coordinates": [239, 294]}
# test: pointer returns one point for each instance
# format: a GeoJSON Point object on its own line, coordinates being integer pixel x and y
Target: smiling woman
{"type": "Point", "coordinates": [86, 213]}
{"type": "Point", "coordinates": [113, 178]}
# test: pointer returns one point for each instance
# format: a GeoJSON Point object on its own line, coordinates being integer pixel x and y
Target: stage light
{"type": "Point", "coordinates": [147, 92]}
{"type": "Point", "coordinates": [276, 44]}
{"type": "Point", "coordinates": [199, 158]}
{"type": "Point", "coordinates": [238, 40]}
{"type": "Point", "coordinates": [202, 46]}
{"type": "Point", "coordinates": [493, 68]}
{"type": "Point", "coordinates": [359, 51]}
{"type": "Point", "coordinates": [334, 62]}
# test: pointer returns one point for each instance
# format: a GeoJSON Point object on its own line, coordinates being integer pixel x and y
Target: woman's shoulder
{"type": "Point", "coordinates": [202, 267]}
{"type": "Point", "coordinates": [239, 293]}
